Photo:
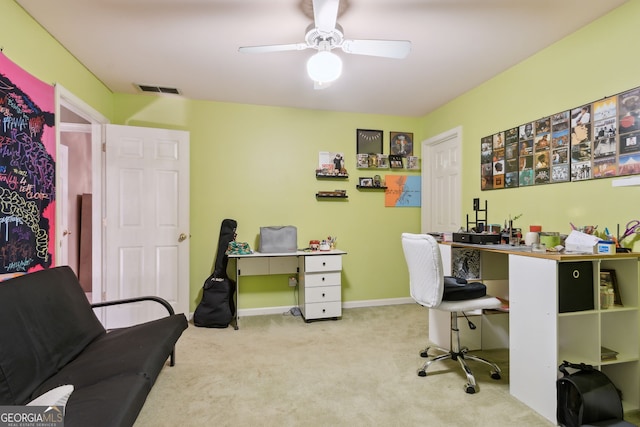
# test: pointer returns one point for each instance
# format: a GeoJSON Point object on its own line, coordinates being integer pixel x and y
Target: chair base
{"type": "Point", "coordinates": [462, 356]}
{"type": "Point", "coordinates": [459, 354]}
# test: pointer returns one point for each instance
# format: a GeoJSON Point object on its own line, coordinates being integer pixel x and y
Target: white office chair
{"type": "Point", "coordinates": [429, 288]}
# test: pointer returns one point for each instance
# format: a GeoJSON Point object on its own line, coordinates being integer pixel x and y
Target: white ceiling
{"type": "Point", "coordinates": [193, 45]}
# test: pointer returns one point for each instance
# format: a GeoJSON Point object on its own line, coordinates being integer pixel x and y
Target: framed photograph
{"type": "Point", "coordinates": [401, 143]}
{"type": "Point", "coordinates": [413, 162]}
{"type": "Point", "coordinates": [368, 141]}
{"type": "Point", "coordinates": [608, 279]}
{"type": "Point", "coordinates": [383, 161]}
{"type": "Point", "coordinates": [365, 182]}
{"type": "Point", "coordinates": [395, 161]}
{"type": "Point", "coordinates": [363, 160]}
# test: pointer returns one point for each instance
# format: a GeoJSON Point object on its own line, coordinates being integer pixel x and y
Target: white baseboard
{"type": "Point", "coordinates": [347, 305]}
{"type": "Point", "coordinates": [351, 304]}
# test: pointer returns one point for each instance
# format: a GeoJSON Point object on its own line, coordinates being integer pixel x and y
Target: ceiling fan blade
{"type": "Point", "coordinates": [397, 49]}
{"type": "Point", "coordinates": [325, 14]}
{"type": "Point", "coordinates": [273, 48]}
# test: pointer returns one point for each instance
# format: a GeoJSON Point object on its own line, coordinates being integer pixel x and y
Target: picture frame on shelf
{"type": "Point", "coordinates": [363, 160]}
{"type": "Point", "coordinates": [608, 278]}
{"type": "Point", "coordinates": [331, 164]}
{"type": "Point", "coordinates": [373, 160]}
{"type": "Point", "coordinates": [369, 141]}
{"type": "Point", "coordinates": [413, 162]}
{"type": "Point", "coordinates": [383, 161]}
{"type": "Point", "coordinates": [365, 182]}
{"type": "Point", "coordinates": [395, 161]}
{"type": "Point", "coordinates": [401, 143]}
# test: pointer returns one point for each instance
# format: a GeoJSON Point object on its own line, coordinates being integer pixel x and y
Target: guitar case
{"type": "Point", "coordinates": [217, 307]}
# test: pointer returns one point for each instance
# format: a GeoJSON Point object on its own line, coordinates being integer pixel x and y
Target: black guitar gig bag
{"type": "Point", "coordinates": [217, 307]}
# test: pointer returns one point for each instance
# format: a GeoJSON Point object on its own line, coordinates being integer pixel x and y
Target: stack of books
{"type": "Point", "coordinates": [608, 354]}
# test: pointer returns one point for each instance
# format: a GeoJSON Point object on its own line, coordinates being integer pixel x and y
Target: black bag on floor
{"type": "Point", "coordinates": [587, 397]}
{"type": "Point", "coordinates": [217, 307]}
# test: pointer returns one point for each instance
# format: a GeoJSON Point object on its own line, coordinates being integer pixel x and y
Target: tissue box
{"type": "Point", "coordinates": [581, 242]}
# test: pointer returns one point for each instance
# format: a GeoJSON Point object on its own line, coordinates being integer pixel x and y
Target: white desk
{"type": "Point", "coordinates": [319, 278]}
{"type": "Point", "coordinates": [541, 337]}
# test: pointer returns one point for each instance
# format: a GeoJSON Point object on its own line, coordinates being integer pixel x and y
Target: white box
{"type": "Point", "coordinates": [581, 242]}
{"type": "Point", "coordinates": [606, 247]}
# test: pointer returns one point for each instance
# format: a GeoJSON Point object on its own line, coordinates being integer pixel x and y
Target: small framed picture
{"type": "Point", "coordinates": [413, 162]}
{"type": "Point", "coordinates": [363, 160]}
{"type": "Point", "coordinates": [608, 279]}
{"type": "Point", "coordinates": [401, 143]}
{"type": "Point", "coordinates": [383, 161]}
{"type": "Point", "coordinates": [365, 182]}
{"type": "Point", "coordinates": [368, 141]}
{"type": "Point", "coordinates": [395, 161]}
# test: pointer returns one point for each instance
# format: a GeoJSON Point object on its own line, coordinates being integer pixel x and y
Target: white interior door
{"type": "Point", "coordinates": [147, 221]}
{"type": "Point", "coordinates": [441, 181]}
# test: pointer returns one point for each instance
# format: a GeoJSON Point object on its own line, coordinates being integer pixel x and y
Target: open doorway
{"type": "Point", "coordinates": [80, 172]}
{"type": "Point", "coordinates": [76, 196]}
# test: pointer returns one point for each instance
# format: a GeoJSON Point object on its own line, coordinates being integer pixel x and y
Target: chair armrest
{"type": "Point", "coordinates": [159, 300]}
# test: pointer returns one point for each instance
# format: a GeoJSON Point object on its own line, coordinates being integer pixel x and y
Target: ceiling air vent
{"type": "Point", "coordinates": [158, 89]}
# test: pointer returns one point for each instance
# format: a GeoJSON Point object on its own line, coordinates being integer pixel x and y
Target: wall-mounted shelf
{"type": "Point", "coordinates": [367, 187]}
{"type": "Point", "coordinates": [330, 196]}
{"type": "Point", "coordinates": [339, 176]}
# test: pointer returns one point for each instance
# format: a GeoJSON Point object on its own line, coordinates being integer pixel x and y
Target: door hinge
{"type": "Point", "coordinates": [104, 295]}
{"type": "Point", "coordinates": [104, 147]}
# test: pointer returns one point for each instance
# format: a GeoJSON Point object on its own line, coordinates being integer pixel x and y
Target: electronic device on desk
{"type": "Point", "coordinates": [477, 238]}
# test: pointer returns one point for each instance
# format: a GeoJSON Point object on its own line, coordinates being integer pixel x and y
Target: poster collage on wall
{"type": "Point", "coordinates": [596, 140]}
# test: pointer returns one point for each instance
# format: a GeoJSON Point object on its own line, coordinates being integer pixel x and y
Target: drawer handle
{"type": "Point", "coordinates": [323, 278]}
{"type": "Point", "coordinates": [324, 311]}
{"type": "Point", "coordinates": [323, 295]}
{"type": "Point", "coordinates": [324, 263]}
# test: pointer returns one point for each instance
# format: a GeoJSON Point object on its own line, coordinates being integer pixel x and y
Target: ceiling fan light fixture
{"type": "Point", "coordinates": [324, 67]}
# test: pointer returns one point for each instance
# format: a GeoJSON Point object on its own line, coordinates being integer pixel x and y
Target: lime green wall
{"type": "Point", "coordinates": [593, 63]}
{"type": "Point", "coordinates": [27, 44]}
{"type": "Point", "coordinates": [256, 164]}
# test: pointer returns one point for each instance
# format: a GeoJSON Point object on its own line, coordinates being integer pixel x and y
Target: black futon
{"type": "Point", "coordinates": [50, 336]}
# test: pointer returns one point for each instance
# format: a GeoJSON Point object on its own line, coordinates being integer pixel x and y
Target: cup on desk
{"type": "Point", "coordinates": [531, 237]}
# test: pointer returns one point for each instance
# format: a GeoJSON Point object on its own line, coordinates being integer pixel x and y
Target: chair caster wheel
{"type": "Point", "coordinates": [470, 389]}
{"type": "Point", "coordinates": [422, 373]}
{"type": "Point", "coordinates": [424, 353]}
{"type": "Point", "coordinates": [495, 375]}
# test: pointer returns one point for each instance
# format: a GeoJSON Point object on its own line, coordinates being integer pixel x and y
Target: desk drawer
{"type": "Point", "coordinates": [322, 279]}
{"type": "Point", "coordinates": [317, 263]}
{"type": "Point", "coordinates": [323, 293]}
{"type": "Point", "coordinates": [321, 310]}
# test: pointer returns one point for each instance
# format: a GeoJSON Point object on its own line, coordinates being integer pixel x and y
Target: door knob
{"type": "Point", "coordinates": [182, 237]}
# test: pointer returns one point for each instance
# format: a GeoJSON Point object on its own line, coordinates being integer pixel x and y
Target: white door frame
{"type": "Point", "coordinates": [67, 100]}
{"type": "Point", "coordinates": [428, 182]}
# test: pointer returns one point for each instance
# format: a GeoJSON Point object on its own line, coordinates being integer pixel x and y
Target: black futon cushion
{"type": "Point", "coordinates": [456, 289]}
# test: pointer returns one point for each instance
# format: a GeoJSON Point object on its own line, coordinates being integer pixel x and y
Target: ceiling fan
{"type": "Point", "coordinates": [324, 35]}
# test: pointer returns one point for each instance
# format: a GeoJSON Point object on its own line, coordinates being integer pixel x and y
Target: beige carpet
{"type": "Point", "coordinates": [360, 370]}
